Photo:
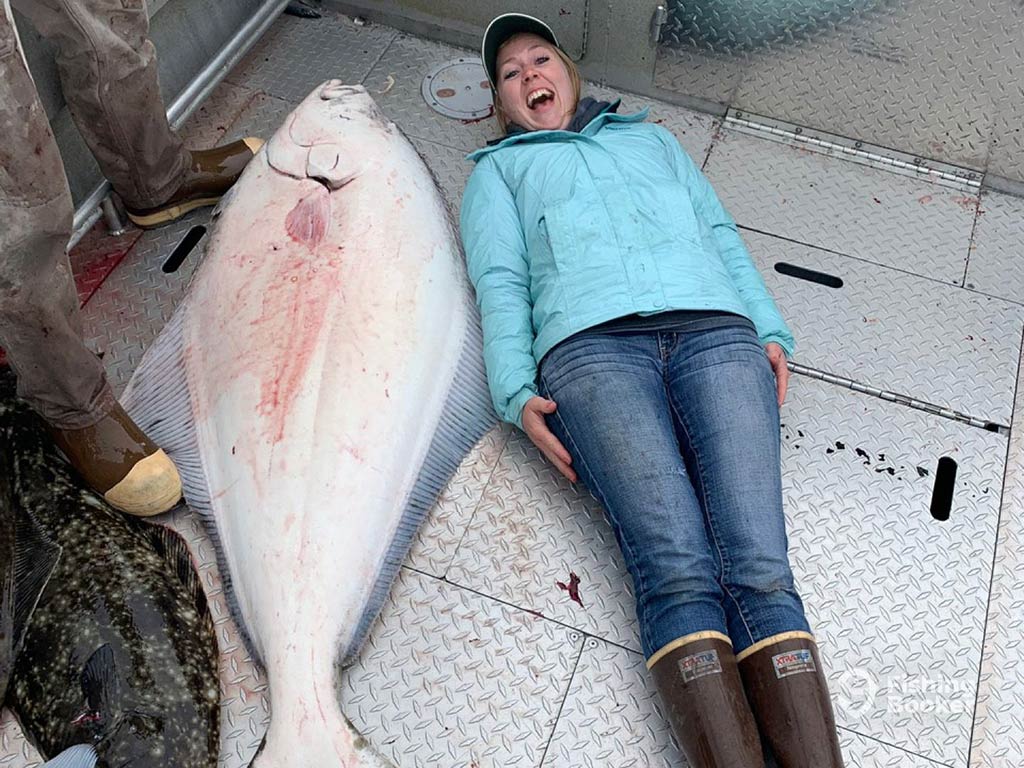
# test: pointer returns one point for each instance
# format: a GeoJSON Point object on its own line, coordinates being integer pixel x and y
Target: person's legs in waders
{"type": "Point", "coordinates": [108, 73]}
{"type": "Point", "coordinates": [39, 321]}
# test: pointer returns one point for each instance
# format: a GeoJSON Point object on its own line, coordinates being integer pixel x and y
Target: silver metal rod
{"type": "Point", "coordinates": [88, 212]}
{"type": "Point", "coordinates": [186, 102]}
{"type": "Point", "coordinates": [116, 224]}
{"type": "Point", "coordinates": [895, 397]}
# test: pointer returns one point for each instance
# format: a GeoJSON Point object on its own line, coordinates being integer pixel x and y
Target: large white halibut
{"type": "Point", "coordinates": [317, 387]}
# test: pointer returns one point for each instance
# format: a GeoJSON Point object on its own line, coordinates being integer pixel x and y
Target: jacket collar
{"type": "Point", "coordinates": [608, 115]}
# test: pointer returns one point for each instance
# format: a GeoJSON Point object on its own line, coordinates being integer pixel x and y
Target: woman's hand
{"type": "Point", "coordinates": [777, 357]}
{"type": "Point", "coordinates": [537, 430]}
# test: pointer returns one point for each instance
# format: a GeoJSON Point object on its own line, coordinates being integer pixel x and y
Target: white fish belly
{"type": "Point", "coordinates": [321, 340]}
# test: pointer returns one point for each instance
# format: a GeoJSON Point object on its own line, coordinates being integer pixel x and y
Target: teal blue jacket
{"type": "Point", "coordinates": [564, 230]}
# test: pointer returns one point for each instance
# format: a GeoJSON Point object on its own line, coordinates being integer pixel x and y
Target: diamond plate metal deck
{"type": "Point", "coordinates": [405, 62]}
{"type": "Point", "coordinates": [474, 670]}
{"type": "Point", "coordinates": [827, 202]}
{"type": "Point", "coordinates": [98, 254]}
{"type": "Point", "coordinates": [892, 593]}
{"type": "Point", "coordinates": [435, 546]}
{"type": "Point", "coordinates": [862, 752]}
{"type": "Point", "coordinates": [260, 117]}
{"type": "Point", "coordinates": [450, 169]}
{"type": "Point", "coordinates": [127, 312]}
{"type": "Point", "coordinates": [897, 599]}
{"type": "Point", "coordinates": [14, 747]}
{"type": "Point", "coordinates": [296, 55]}
{"type": "Point", "coordinates": [998, 738]}
{"type": "Point", "coordinates": [613, 717]}
{"type": "Point", "coordinates": [897, 331]}
{"type": "Point", "coordinates": [450, 678]}
{"type": "Point", "coordinates": [532, 528]}
{"type": "Point", "coordinates": [997, 256]}
{"type": "Point", "coordinates": [207, 125]}
{"type": "Point", "coordinates": [244, 704]}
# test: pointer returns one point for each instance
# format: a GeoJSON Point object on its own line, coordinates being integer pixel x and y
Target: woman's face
{"type": "Point", "coordinates": [534, 85]}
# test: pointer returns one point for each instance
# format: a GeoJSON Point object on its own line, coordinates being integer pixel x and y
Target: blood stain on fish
{"type": "Point", "coordinates": [301, 312]}
{"type": "Point", "coordinates": [307, 221]}
{"type": "Point", "coordinates": [573, 587]}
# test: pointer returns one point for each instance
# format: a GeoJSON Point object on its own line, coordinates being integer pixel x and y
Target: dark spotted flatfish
{"type": "Point", "coordinates": [113, 647]}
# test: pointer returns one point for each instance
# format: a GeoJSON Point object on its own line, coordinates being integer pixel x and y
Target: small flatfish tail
{"type": "Point", "coordinates": [78, 756]}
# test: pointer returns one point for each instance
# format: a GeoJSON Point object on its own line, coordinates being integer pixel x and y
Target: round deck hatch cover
{"type": "Point", "coordinates": [459, 89]}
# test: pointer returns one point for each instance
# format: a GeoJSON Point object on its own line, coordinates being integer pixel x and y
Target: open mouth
{"type": "Point", "coordinates": [540, 97]}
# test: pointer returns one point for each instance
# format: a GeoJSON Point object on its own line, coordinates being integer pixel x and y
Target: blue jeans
{"type": "Point", "coordinates": [677, 436]}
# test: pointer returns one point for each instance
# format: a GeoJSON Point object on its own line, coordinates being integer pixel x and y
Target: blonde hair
{"type": "Point", "coordinates": [574, 79]}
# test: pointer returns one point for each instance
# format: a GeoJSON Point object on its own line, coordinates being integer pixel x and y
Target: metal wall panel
{"type": "Point", "coordinates": [463, 23]}
{"type": "Point", "coordinates": [941, 80]}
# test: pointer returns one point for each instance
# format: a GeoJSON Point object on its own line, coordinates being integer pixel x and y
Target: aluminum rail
{"type": "Point", "coordinates": [186, 102]}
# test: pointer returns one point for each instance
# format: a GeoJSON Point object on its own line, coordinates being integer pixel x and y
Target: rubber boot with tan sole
{"type": "Point", "coordinates": [212, 174]}
{"type": "Point", "coordinates": [120, 463]}
{"type": "Point", "coordinates": [701, 688]}
{"type": "Point", "coordinates": [788, 693]}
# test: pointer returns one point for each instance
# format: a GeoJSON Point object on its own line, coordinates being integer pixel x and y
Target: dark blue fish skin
{"type": "Point", "coordinates": [120, 651]}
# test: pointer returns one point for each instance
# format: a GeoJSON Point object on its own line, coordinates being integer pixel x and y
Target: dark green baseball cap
{"type": "Point", "coordinates": [501, 29]}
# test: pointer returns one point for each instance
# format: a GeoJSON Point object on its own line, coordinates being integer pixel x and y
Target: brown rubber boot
{"type": "Point", "coordinates": [118, 461]}
{"type": "Point", "coordinates": [212, 173]}
{"type": "Point", "coordinates": [701, 687]}
{"type": "Point", "coordinates": [787, 690]}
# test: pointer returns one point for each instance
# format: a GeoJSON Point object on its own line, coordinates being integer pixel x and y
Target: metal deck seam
{"type": "Point", "coordinates": [995, 559]}
{"type": "Point", "coordinates": [476, 508]}
{"type": "Point", "coordinates": [583, 640]}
